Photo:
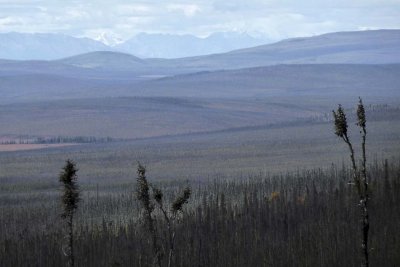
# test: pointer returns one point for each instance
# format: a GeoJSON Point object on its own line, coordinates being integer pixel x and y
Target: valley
{"type": "Point", "coordinates": [250, 132]}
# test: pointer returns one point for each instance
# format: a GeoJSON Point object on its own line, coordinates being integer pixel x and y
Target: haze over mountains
{"type": "Point", "coordinates": [176, 46]}
{"type": "Point", "coordinates": [359, 63]}
{"type": "Point", "coordinates": [107, 93]}
{"type": "Point", "coordinates": [46, 46]}
{"type": "Point", "coordinates": [366, 47]}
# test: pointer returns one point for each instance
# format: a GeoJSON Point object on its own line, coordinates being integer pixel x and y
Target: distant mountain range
{"type": "Point", "coordinates": [363, 47]}
{"type": "Point", "coordinates": [176, 46]}
{"type": "Point", "coordinates": [356, 63]}
{"type": "Point", "coordinates": [45, 46]}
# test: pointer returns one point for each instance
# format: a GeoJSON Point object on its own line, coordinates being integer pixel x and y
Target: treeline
{"type": "Point", "coordinates": [308, 218]}
{"type": "Point", "coordinates": [375, 112]}
{"type": "Point", "coordinates": [59, 140]}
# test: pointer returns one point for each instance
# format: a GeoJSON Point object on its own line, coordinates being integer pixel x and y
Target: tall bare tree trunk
{"type": "Point", "coordinates": [71, 259]}
{"type": "Point", "coordinates": [364, 201]}
{"type": "Point", "coordinates": [359, 176]}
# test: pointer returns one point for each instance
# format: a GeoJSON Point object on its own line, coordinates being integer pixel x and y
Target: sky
{"type": "Point", "coordinates": [271, 19]}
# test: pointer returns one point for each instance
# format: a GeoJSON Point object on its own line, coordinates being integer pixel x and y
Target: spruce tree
{"type": "Point", "coordinates": [69, 201]}
{"type": "Point", "coordinates": [359, 173]}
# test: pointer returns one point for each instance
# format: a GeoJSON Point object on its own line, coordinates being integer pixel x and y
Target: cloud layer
{"type": "Point", "coordinates": [273, 19]}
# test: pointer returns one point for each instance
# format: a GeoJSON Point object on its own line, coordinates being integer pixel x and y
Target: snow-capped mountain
{"type": "Point", "coordinates": [175, 46]}
{"type": "Point", "coordinates": [109, 39]}
{"type": "Point", "coordinates": [49, 46]}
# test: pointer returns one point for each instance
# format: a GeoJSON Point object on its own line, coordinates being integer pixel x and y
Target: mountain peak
{"type": "Point", "coordinates": [50, 46]}
{"type": "Point", "coordinates": [44, 46]}
{"type": "Point", "coordinates": [109, 39]}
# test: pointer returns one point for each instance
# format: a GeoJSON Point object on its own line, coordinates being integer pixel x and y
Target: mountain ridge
{"type": "Point", "coordinates": [177, 46]}
{"type": "Point", "coordinates": [364, 47]}
{"type": "Point", "coordinates": [344, 63]}
{"type": "Point", "coordinates": [53, 46]}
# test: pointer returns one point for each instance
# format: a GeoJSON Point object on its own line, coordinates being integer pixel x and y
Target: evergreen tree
{"type": "Point", "coordinates": [359, 173]}
{"type": "Point", "coordinates": [69, 201]}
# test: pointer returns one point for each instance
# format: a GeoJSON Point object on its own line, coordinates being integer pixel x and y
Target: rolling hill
{"type": "Point", "coordinates": [282, 80]}
{"type": "Point", "coordinates": [104, 60]}
{"type": "Point", "coordinates": [354, 63]}
{"type": "Point", "coordinates": [363, 47]}
{"type": "Point", "coordinates": [139, 117]}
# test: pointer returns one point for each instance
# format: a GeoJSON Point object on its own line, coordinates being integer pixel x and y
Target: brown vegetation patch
{"type": "Point", "coordinates": [18, 147]}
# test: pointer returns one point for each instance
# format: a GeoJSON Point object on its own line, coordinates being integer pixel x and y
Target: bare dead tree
{"type": "Point", "coordinates": [69, 200]}
{"type": "Point", "coordinates": [171, 216]}
{"type": "Point", "coordinates": [361, 122]}
{"type": "Point", "coordinates": [359, 174]}
{"type": "Point", "coordinates": [143, 195]}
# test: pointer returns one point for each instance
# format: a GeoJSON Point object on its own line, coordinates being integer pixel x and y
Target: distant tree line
{"type": "Point", "coordinates": [59, 140]}
{"type": "Point", "coordinates": [375, 112]}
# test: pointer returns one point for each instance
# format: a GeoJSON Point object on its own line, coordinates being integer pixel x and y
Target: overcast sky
{"type": "Point", "coordinates": [274, 19]}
